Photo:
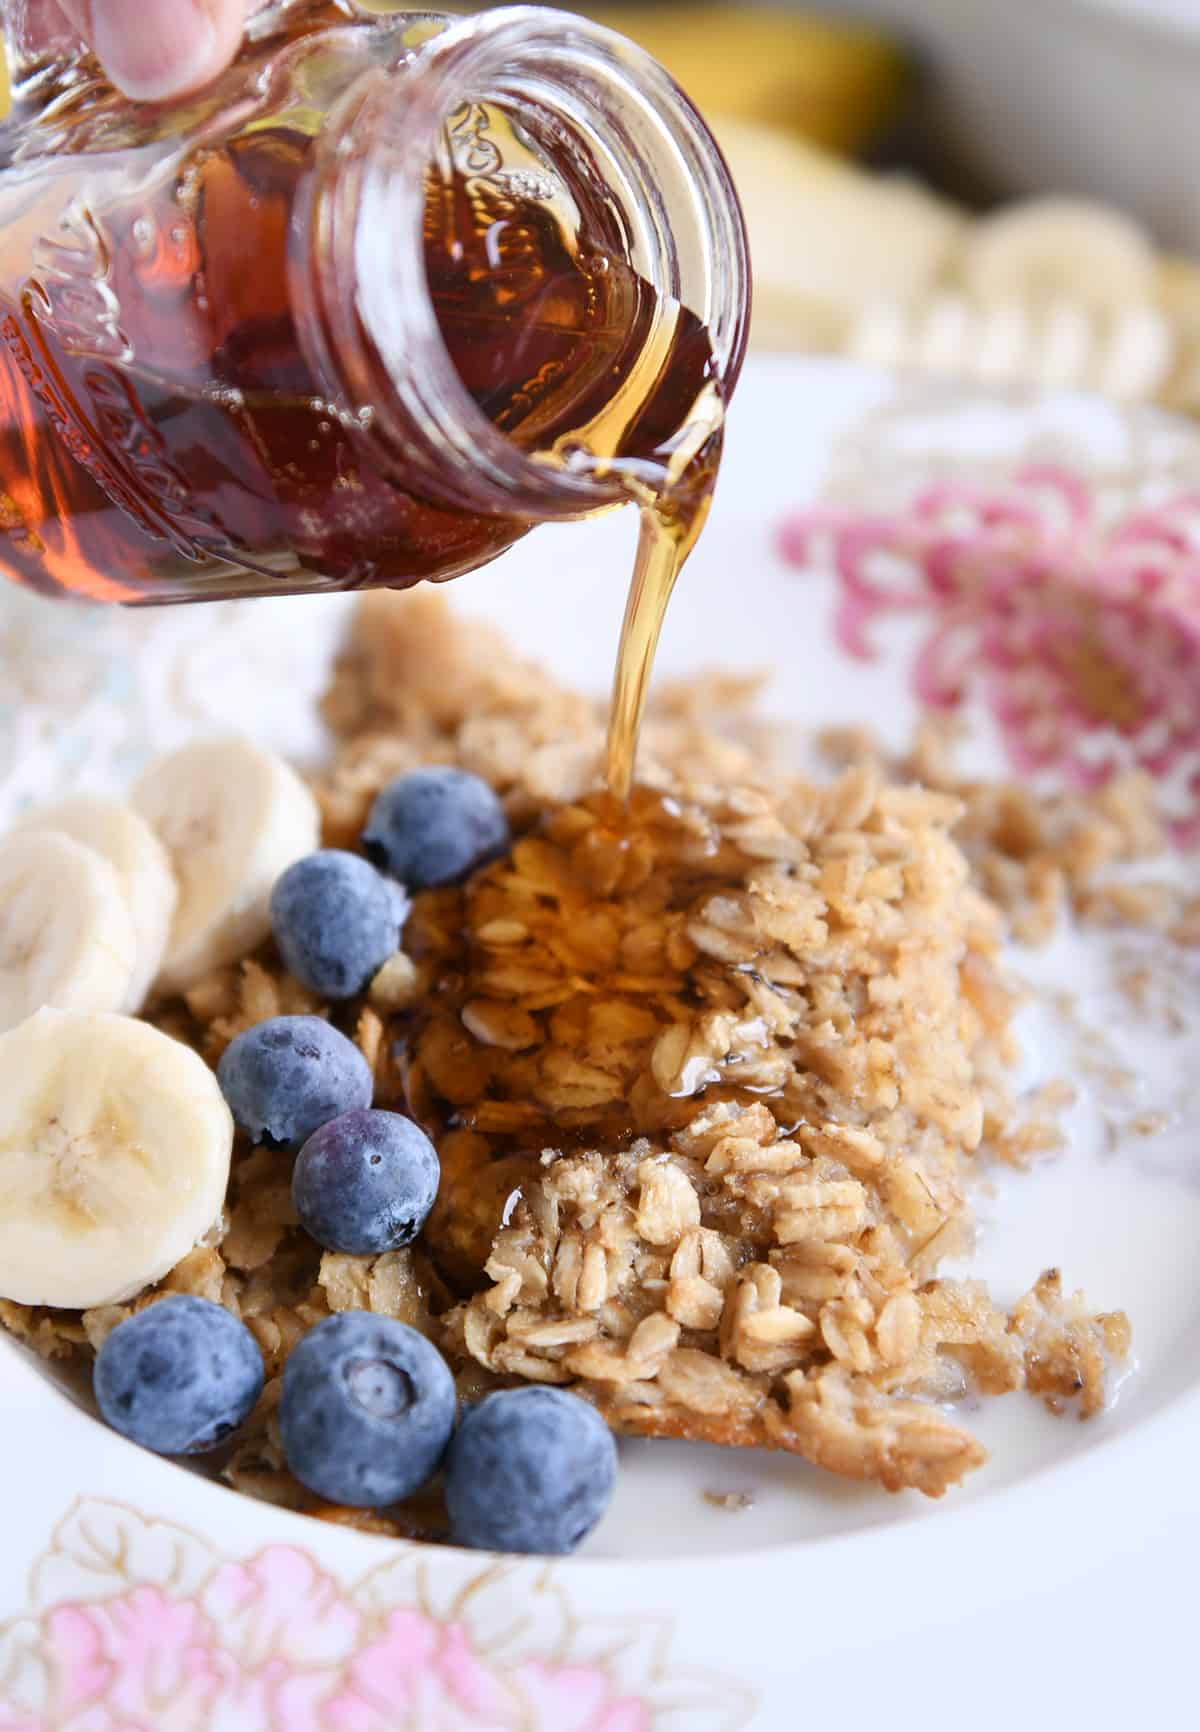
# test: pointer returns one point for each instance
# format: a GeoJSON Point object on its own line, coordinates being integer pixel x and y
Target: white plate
{"type": "Point", "coordinates": [1054, 1580]}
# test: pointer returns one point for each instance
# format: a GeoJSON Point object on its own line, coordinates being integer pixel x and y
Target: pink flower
{"type": "Point", "coordinates": [577, 1699]}
{"type": "Point", "coordinates": [281, 1604]}
{"type": "Point", "coordinates": [275, 1645]}
{"type": "Point", "coordinates": [137, 1660]}
{"type": "Point", "coordinates": [423, 1671]}
{"type": "Point", "coordinates": [423, 1674]}
{"type": "Point", "coordinates": [1082, 636]}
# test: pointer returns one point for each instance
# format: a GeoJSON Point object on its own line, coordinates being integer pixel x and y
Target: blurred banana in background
{"type": "Point", "coordinates": [847, 260]}
{"type": "Point", "coordinates": [837, 83]}
{"type": "Point", "coordinates": [1052, 291]}
{"type": "Point", "coordinates": [827, 239]}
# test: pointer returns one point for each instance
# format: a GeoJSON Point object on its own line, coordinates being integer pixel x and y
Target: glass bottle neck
{"type": "Point", "coordinates": [520, 103]}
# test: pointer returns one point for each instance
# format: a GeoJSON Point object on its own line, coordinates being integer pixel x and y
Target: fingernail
{"type": "Point", "coordinates": [154, 49]}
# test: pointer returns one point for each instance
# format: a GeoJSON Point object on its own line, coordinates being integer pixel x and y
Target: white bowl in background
{"type": "Point", "coordinates": [1095, 97]}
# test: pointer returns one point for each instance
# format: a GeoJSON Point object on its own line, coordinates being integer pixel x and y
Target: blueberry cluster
{"type": "Point", "coordinates": [367, 1411]}
{"type": "Point", "coordinates": [367, 1415]}
{"type": "Point", "coordinates": [337, 917]}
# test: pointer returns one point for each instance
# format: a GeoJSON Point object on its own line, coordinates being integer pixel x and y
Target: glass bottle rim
{"type": "Point", "coordinates": [688, 234]}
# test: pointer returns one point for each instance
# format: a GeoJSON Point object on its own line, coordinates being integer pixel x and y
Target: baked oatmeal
{"type": "Point", "coordinates": [707, 1080]}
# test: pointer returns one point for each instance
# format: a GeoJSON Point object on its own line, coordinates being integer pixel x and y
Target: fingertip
{"type": "Point", "coordinates": [157, 50]}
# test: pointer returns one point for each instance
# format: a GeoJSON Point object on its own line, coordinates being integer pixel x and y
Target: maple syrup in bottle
{"type": "Point", "coordinates": [383, 297]}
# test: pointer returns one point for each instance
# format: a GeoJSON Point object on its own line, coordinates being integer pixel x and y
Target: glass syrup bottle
{"type": "Point", "coordinates": [391, 291]}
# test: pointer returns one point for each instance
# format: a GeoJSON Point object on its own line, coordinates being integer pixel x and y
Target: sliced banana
{"type": "Point", "coordinates": [1068, 344]}
{"type": "Point", "coordinates": [1054, 249]}
{"type": "Point", "coordinates": [1129, 356]}
{"type": "Point", "coordinates": [142, 865]}
{"type": "Point", "coordinates": [827, 238]}
{"type": "Point", "coordinates": [232, 818]}
{"type": "Point", "coordinates": [115, 1144]}
{"type": "Point", "coordinates": [1139, 354]}
{"type": "Point", "coordinates": [67, 936]}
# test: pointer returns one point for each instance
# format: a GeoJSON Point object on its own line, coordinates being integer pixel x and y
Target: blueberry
{"type": "Point", "coordinates": [179, 1376]}
{"type": "Point", "coordinates": [285, 1077]}
{"type": "Point", "coordinates": [365, 1182]}
{"type": "Point", "coordinates": [366, 1409]}
{"type": "Point", "coordinates": [530, 1470]}
{"type": "Point", "coordinates": [336, 921]}
{"type": "Point", "coordinates": [434, 826]}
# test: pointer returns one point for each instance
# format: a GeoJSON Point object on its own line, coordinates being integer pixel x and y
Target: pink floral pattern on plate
{"type": "Point", "coordinates": [137, 1626]}
{"type": "Point", "coordinates": [1080, 631]}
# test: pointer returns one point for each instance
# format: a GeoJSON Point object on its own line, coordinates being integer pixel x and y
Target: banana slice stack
{"type": "Point", "coordinates": [115, 1140]}
{"type": "Point", "coordinates": [103, 902]}
{"type": "Point", "coordinates": [1055, 292]}
{"type": "Point", "coordinates": [1049, 292]}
